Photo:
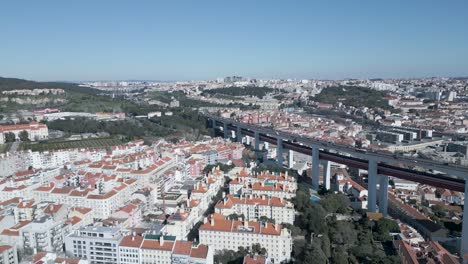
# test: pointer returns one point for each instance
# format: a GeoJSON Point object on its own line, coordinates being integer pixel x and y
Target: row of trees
{"type": "Point", "coordinates": [11, 137]}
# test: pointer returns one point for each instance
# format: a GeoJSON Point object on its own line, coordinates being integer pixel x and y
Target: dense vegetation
{"type": "Point", "coordinates": [338, 241]}
{"type": "Point", "coordinates": [183, 122]}
{"type": "Point", "coordinates": [76, 98]}
{"type": "Point", "coordinates": [186, 102]}
{"type": "Point", "coordinates": [241, 91]}
{"type": "Point", "coordinates": [7, 84]}
{"type": "Point", "coordinates": [353, 96]}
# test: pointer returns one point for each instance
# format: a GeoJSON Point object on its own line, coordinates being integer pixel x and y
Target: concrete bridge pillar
{"type": "Point", "coordinates": [257, 140]}
{"type": "Point", "coordinates": [326, 174]}
{"type": "Point", "coordinates": [464, 238]}
{"type": "Point", "coordinates": [239, 134]}
{"type": "Point", "coordinates": [247, 140]}
{"type": "Point", "coordinates": [233, 135]}
{"type": "Point", "coordinates": [383, 194]}
{"type": "Point", "coordinates": [290, 159]}
{"type": "Point", "coordinates": [315, 166]}
{"type": "Point", "coordinates": [225, 130]}
{"type": "Point", "coordinates": [372, 186]}
{"type": "Point", "coordinates": [279, 151]}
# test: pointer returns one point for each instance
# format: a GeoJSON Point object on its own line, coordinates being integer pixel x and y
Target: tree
{"type": "Point", "coordinates": [383, 227]}
{"type": "Point", "coordinates": [9, 137]}
{"type": "Point", "coordinates": [295, 230]}
{"type": "Point", "coordinates": [266, 219]}
{"type": "Point", "coordinates": [339, 256]}
{"type": "Point", "coordinates": [258, 249]}
{"type": "Point", "coordinates": [315, 255]}
{"type": "Point", "coordinates": [23, 135]}
{"type": "Point", "coordinates": [335, 203]}
{"type": "Point", "coordinates": [326, 245]}
{"type": "Point", "coordinates": [439, 211]}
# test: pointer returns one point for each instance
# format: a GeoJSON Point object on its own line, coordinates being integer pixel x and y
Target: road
{"type": "Point", "coordinates": [14, 146]}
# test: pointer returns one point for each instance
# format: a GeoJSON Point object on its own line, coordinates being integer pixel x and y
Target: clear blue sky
{"type": "Point", "coordinates": [196, 39]}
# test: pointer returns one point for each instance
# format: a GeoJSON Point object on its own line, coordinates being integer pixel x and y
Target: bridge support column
{"type": "Point", "coordinates": [257, 140]}
{"type": "Point", "coordinates": [239, 134]}
{"type": "Point", "coordinates": [383, 194]}
{"type": "Point", "coordinates": [372, 186]}
{"type": "Point", "coordinates": [315, 166]}
{"type": "Point", "coordinates": [247, 140]}
{"type": "Point", "coordinates": [225, 130]}
{"type": "Point", "coordinates": [464, 238]}
{"type": "Point", "coordinates": [290, 159]}
{"type": "Point", "coordinates": [233, 135]}
{"type": "Point", "coordinates": [326, 174]}
{"type": "Point", "coordinates": [279, 151]}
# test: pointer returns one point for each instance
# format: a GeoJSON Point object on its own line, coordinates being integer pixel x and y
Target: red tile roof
{"type": "Point", "coordinates": [131, 241]}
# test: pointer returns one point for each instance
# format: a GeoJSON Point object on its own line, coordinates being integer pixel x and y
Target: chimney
{"type": "Point", "coordinates": [224, 194]}
{"type": "Point", "coordinates": [277, 227]}
{"type": "Point", "coordinates": [205, 220]}
{"type": "Point", "coordinates": [212, 221]}
{"type": "Point", "coordinates": [161, 240]}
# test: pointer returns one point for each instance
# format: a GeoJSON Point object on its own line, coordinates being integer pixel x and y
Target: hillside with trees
{"type": "Point", "coordinates": [353, 96]}
{"type": "Point", "coordinates": [7, 84]}
{"type": "Point", "coordinates": [241, 91]}
{"type": "Point", "coordinates": [75, 98]}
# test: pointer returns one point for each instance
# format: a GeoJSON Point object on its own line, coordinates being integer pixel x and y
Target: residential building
{"type": "Point", "coordinates": [98, 245]}
{"type": "Point", "coordinates": [222, 234]}
{"type": "Point", "coordinates": [44, 234]}
{"type": "Point", "coordinates": [8, 254]}
{"type": "Point", "coordinates": [254, 207]}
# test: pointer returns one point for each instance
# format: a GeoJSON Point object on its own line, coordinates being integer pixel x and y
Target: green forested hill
{"type": "Point", "coordinates": [353, 96]}
{"type": "Point", "coordinates": [14, 83]}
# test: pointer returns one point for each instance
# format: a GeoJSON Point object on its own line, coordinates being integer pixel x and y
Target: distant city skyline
{"type": "Point", "coordinates": [152, 40]}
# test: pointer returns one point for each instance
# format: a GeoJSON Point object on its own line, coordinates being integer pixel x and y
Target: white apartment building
{"type": "Point", "coordinates": [98, 245]}
{"type": "Point", "coordinates": [254, 207]}
{"type": "Point", "coordinates": [222, 234]}
{"type": "Point", "coordinates": [44, 234]}
{"type": "Point", "coordinates": [180, 223]}
{"type": "Point", "coordinates": [270, 189]}
{"type": "Point", "coordinates": [8, 255]}
{"type": "Point", "coordinates": [101, 245]}
{"type": "Point", "coordinates": [36, 131]}
{"type": "Point", "coordinates": [156, 249]}
{"type": "Point", "coordinates": [103, 204]}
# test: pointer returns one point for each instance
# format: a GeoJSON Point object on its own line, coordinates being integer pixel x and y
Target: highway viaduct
{"type": "Point", "coordinates": [378, 165]}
